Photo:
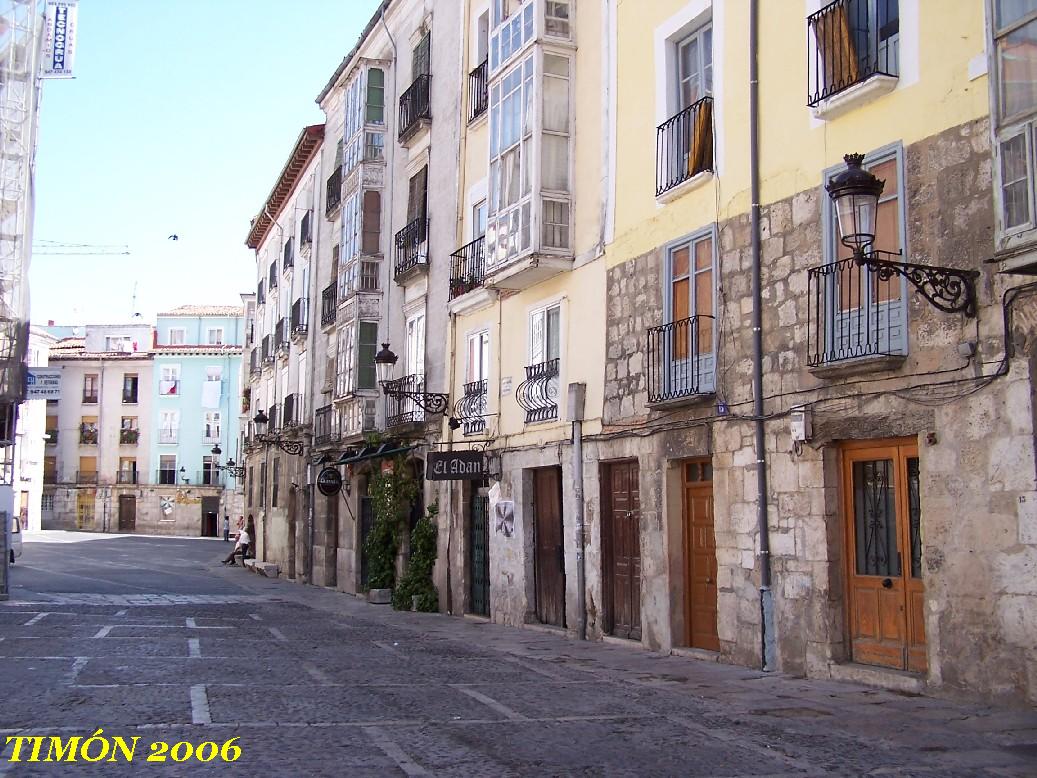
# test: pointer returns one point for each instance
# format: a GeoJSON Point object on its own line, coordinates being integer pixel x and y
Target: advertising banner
{"type": "Point", "coordinates": [59, 39]}
{"type": "Point", "coordinates": [43, 383]}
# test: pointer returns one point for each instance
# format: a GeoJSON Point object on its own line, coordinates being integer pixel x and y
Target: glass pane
{"type": "Point", "coordinates": [1009, 11]}
{"type": "Point", "coordinates": [704, 254]}
{"type": "Point", "coordinates": [914, 517]}
{"type": "Point", "coordinates": [1017, 68]}
{"type": "Point", "coordinates": [554, 316]}
{"type": "Point", "coordinates": [1014, 189]}
{"type": "Point", "coordinates": [886, 171]}
{"type": "Point", "coordinates": [874, 519]}
{"type": "Point", "coordinates": [555, 163]}
{"type": "Point", "coordinates": [556, 104]}
{"type": "Point", "coordinates": [681, 300]}
{"type": "Point", "coordinates": [680, 262]}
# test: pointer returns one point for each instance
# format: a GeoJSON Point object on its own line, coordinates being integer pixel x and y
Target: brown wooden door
{"type": "Point", "coordinates": [549, 556]}
{"type": "Point", "coordinates": [291, 533]}
{"type": "Point", "coordinates": [700, 556]}
{"type": "Point", "coordinates": [884, 553]}
{"type": "Point", "coordinates": [127, 513]}
{"type": "Point", "coordinates": [622, 532]}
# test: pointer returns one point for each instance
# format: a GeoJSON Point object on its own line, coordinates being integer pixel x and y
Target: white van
{"type": "Point", "coordinates": [16, 538]}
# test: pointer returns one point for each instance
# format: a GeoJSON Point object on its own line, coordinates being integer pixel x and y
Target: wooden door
{"type": "Point", "coordinates": [549, 552]}
{"type": "Point", "coordinates": [127, 513]}
{"type": "Point", "coordinates": [700, 556]}
{"type": "Point", "coordinates": [291, 533]}
{"type": "Point", "coordinates": [884, 554]}
{"type": "Point", "coordinates": [622, 536]}
{"type": "Point", "coordinates": [479, 555]}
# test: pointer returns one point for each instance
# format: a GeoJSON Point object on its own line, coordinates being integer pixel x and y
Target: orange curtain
{"type": "Point", "coordinates": [701, 152]}
{"type": "Point", "coordinates": [836, 49]}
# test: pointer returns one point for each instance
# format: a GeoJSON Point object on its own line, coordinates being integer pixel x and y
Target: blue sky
{"type": "Point", "coordinates": [181, 115]}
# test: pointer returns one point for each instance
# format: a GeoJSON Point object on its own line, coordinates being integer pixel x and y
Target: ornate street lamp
{"type": "Point", "coordinates": [385, 365]}
{"type": "Point", "coordinates": [855, 194]}
{"type": "Point", "coordinates": [260, 420]}
{"type": "Point", "coordinates": [232, 469]}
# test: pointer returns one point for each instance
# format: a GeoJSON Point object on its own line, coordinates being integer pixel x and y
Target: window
{"type": "Point", "coordinates": [684, 346]}
{"type": "Point", "coordinates": [169, 427]}
{"type": "Point", "coordinates": [374, 147]}
{"type": "Point", "coordinates": [121, 343]}
{"type": "Point", "coordinates": [214, 373]}
{"type": "Point", "coordinates": [477, 358]}
{"type": "Point", "coordinates": [167, 469]}
{"type": "Point", "coordinates": [169, 383]}
{"type": "Point", "coordinates": [211, 425]}
{"type": "Point", "coordinates": [556, 18]}
{"type": "Point", "coordinates": [366, 350]}
{"type": "Point", "coordinates": [421, 62]}
{"type": "Point", "coordinates": [276, 479]}
{"type": "Point", "coordinates": [544, 334]}
{"type": "Point", "coordinates": [415, 349]}
{"type": "Point", "coordinates": [88, 430]}
{"type": "Point", "coordinates": [479, 219]}
{"type": "Point", "coordinates": [512, 30]}
{"type": "Point", "coordinates": [417, 195]}
{"type": "Point", "coordinates": [87, 470]}
{"type": "Point", "coordinates": [130, 384]}
{"type": "Point", "coordinates": [695, 67]}
{"type": "Point", "coordinates": [128, 423]}
{"type": "Point", "coordinates": [345, 360]}
{"type": "Point", "coordinates": [853, 40]}
{"type": "Point", "coordinates": [863, 314]}
{"type": "Point", "coordinates": [214, 336]}
{"type": "Point", "coordinates": [372, 223]}
{"type": "Point", "coordinates": [1015, 46]}
{"type": "Point", "coordinates": [90, 387]}
{"type": "Point", "coordinates": [511, 133]}
{"type": "Point", "coordinates": [262, 484]}
{"type": "Point", "coordinates": [47, 502]}
{"type": "Point", "coordinates": [375, 113]}
{"type": "Point", "coordinates": [178, 335]}
{"type": "Point", "coordinates": [350, 229]}
{"type": "Point", "coordinates": [210, 472]}
{"type": "Point", "coordinates": [50, 470]}
{"type": "Point", "coordinates": [251, 479]}
{"type": "Point", "coordinates": [127, 470]}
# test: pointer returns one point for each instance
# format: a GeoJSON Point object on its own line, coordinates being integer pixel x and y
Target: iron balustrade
{"type": "Point", "coordinates": [853, 312]}
{"type": "Point", "coordinates": [306, 229]}
{"type": "Point", "coordinates": [300, 316]}
{"type": "Point", "coordinates": [129, 437]}
{"type": "Point", "coordinates": [281, 333]}
{"type": "Point", "coordinates": [129, 395]}
{"type": "Point", "coordinates": [328, 305]}
{"type": "Point", "coordinates": [126, 477]}
{"type": "Point", "coordinates": [684, 145]}
{"type": "Point", "coordinates": [88, 435]}
{"type": "Point", "coordinates": [290, 406]}
{"type": "Point", "coordinates": [680, 360]}
{"type": "Point", "coordinates": [165, 477]}
{"type": "Point", "coordinates": [470, 410]}
{"type": "Point", "coordinates": [89, 398]}
{"type": "Point", "coordinates": [52, 437]}
{"type": "Point", "coordinates": [209, 476]}
{"type": "Point", "coordinates": [851, 41]}
{"type": "Point", "coordinates": [334, 191]}
{"type": "Point", "coordinates": [289, 254]}
{"type": "Point", "coordinates": [400, 409]}
{"type": "Point", "coordinates": [86, 476]}
{"type": "Point", "coordinates": [169, 435]}
{"type": "Point", "coordinates": [468, 267]}
{"type": "Point", "coordinates": [415, 105]}
{"type": "Point", "coordinates": [478, 94]}
{"type": "Point", "coordinates": [272, 423]}
{"type": "Point", "coordinates": [409, 241]}
{"type": "Point", "coordinates": [271, 283]}
{"type": "Point", "coordinates": [260, 294]}
{"type": "Point", "coordinates": [322, 426]}
{"type": "Point", "coordinates": [538, 394]}
{"type": "Point", "coordinates": [265, 348]}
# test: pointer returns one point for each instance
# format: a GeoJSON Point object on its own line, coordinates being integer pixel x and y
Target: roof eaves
{"type": "Point", "coordinates": [382, 8]}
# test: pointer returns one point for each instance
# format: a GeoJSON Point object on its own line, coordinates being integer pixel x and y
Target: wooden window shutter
{"type": "Point", "coordinates": [372, 226]}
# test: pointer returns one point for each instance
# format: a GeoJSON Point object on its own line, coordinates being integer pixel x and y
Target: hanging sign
{"type": "Point", "coordinates": [329, 481]}
{"type": "Point", "coordinates": [43, 383]}
{"type": "Point", "coordinates": [59, 39]}
{"type": "Point", "coordinates": [456, 466]}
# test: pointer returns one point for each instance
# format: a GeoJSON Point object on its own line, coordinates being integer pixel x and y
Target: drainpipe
{"type": "Point", "coordinates": [313, 294]}
{"type": "Point", "coordinates": [767, 637]}
{"type": "Point", "coordinates": [577, 397]}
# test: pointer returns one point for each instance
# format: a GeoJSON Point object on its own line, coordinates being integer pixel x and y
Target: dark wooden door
{"type": "Point", "coordinates": [700, 556]}
{"type": "Point", "coordinates": [127, 513]}
{"type": "Point", "coordinates": [210, 517]}
{"type": "Point", "coordinates": [886, 594]}
{"type": "Point", "coordinates": [549, 552]}
{"type": "Point", "coordinates": [479, 555]}
{"type": "Point", "coordinates": [622, 532]}
{"type": "Point", "coordinates": [291, 533]}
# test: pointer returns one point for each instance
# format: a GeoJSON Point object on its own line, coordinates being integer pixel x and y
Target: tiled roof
{"type": "Point", "coordinates": [224, 349]}
{"type": "Point", "coordinates": [205, 310]}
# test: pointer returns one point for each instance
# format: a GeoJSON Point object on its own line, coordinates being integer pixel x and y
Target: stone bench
{"type": "Point", "coordinates": [268, 569]}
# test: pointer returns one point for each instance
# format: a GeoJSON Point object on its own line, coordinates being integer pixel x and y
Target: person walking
{"type": "Point", "coordinates": [226, 528]}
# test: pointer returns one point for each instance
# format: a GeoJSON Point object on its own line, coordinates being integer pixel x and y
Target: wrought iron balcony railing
{"type": "Point", "coordinates": [468, 267]}
{"type": "Point", "coordinates": [210, 476]}
{"type": "Point", "coordinates": [129, 437]}
{"type": "Point", "coordinates": [126, 477]}
{"type": "Point", "coordinates": [538, 394]}
{"type": "Point", "coordinates": [477, 91]}
{"type": "Point", "coordinates": [300, 316]}
{"type": "Point", "coordinates": [851, 41]}
{"type": "Point", "coordinates": [328, 305]}
{"type": "Point", "coordinates": [400, 409]}
{"type": "Point", "coordinates": [266, 348]}
{"type": "Point", "coordinates": [323, 431]}
{"type": "Point", "coordinates": [165, 477]}
{"type": "Point", "coordinates": [169, 435]}
{"type": "Point", "coordinates": [854, 311]}
{"type": "Point", "coordinates": [260, 294]}
{"type": "Point", "coordinates": [271, 283]}
{"type": "Point", "coordinates": [470, 410]}
{"type": "Point", "coordinates": [684, 145]}
{"type": "Point", "coordinates": [415, 105]}
{"type": "Point", "coordinates": [90, 398]}
{"type": "Point", "coordinates": [291, 407]}
{"type": "Point", "coordinates": [52, 437]}
{"type": "Point", "coordinates": [274, 421]}
{"type": "Point", "coordinates": [282, 334]}
{"type": "Point", "coordinates": [306, 229]}
{"type": "Point", "coordinates": [88, 435]}
{"type": "Point", "coordinates": [681, 360]}
{"type": "Point", "coordinates": [410, 242]}
{"type": "Point", "coordinates": [334, 191]}
{"type": "Point", "coordinates": [86, 476]}
{"type": "Point", "coordinates": [289, 254]}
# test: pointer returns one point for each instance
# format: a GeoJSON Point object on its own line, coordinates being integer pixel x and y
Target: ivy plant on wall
{"type": "Point", "coordinates": [392, 493]}
{"type": "Point", "coordinates": [417, 580]}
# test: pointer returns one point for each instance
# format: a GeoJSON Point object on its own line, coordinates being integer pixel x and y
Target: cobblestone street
{"type": "Point", "coordinates": [154, 638]}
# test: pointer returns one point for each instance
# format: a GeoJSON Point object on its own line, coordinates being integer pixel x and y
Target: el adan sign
{"type": "Point", "coordinates": [456, 466]}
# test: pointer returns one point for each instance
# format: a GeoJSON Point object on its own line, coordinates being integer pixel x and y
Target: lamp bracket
{"type": "Point", "coordinates": [430, 402]}
{"type": "Point", "coordinates": [293, 447]}
{"type": "Point", "coordinates": [946, 288]}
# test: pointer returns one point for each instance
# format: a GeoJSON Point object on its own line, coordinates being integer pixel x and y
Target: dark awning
{"type": "Point", "coordinates": [381, 451]}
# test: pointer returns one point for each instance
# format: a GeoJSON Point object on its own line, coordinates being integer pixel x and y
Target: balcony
{"type": "Point", "coordinates": [411, 256]}
{"type": "Point", "coordinates": [169, 436]}
{"type": "Point", "coordinates": [210, 435]}
{"type": "Point", "coordinates": [681, 359]}
{"type": "Point", "coordinates": [684, 147]}
{"type": "Point", "coordinates": [129, 437]}
{"type": "Point", "coordinates": [87, 435]}
{"type": "Point", "coordinates": [169, 387]}
{"type": "Point", "coordinates": [538, 394]}
{"type": "Point", "coordinates": [853, 313]}
{"type": "Point", "coordinates": [52, 437]}
{"type": "Point", "coordinates": [334, 193]}
{"type": "Point", "coordinates": [470, 410]}
{"type": "Point", "coordinates": [360, 275]}
{"type": "Point", "coordinates": [88, 477]}
{"type": "Point", "coordinates": [323, 426]}
{"type": "Point", "coordinates": [90, 398]}
{"type": "Point", "coordinates": [477, 91]}
{"type": "Point", "coordinates": [129, 397]}
{"type": "Point", "coordinates": [289, 254]}
{"type": "Point", "coordinates": [306, 233]}
{"type": "Point", "coordinates": [266, 349]}
{"type": "Point", "coordinates": [126, 477]}
{"type": "Point", "coordinates": [415, 107]}
{"type": "Point", "coordinates": [290, 411]}
{"type": "Point", "coordinates": [166, 477]}
{"type": "Point", "coordinates": [468, 267]}
{"type": "Point", "coordinates": [209, 476]}
{"type": "Point", "coordinates": [403, 410]}
{"type": "Point", "coordinates": [271, 283]}
{"type": "Point", "coordinates": [282, 336]}
{"type": "Point", "coordinates": [328, 305]}
{"type": "Point", "coordinates": [853, 54]}
{"type": "Point", "coordinates": [300, 316]}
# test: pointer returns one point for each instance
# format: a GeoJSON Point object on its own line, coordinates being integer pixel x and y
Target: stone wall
{"type": "Point", "coordinates": [160, 510]}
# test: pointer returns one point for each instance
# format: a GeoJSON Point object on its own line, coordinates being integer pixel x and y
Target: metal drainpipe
{"type": "Point", "coordinates": [581, 558]}
{"type": "Point", "coordinates": [311, 497]}
{"type": "Point", "coordinates": [767, 636]}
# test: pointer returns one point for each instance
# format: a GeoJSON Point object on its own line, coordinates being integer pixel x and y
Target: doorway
{"type": "Point", "coordinates": [621, 549]}
{"type": "Point", "coordinates": [127, 513]}
{"type": "Point", "coordinates": [700, 555]}
{"type": "Point", "coordinates": [886, 595]}
{"type": "Point", "coordinates": [549, 551]}
{"type": "Point", "coordinates": [291, 534]}
{"type": "Point", "coordinates": [479, 553]}
{"type": "Point", "coordinates": [210, 517]}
